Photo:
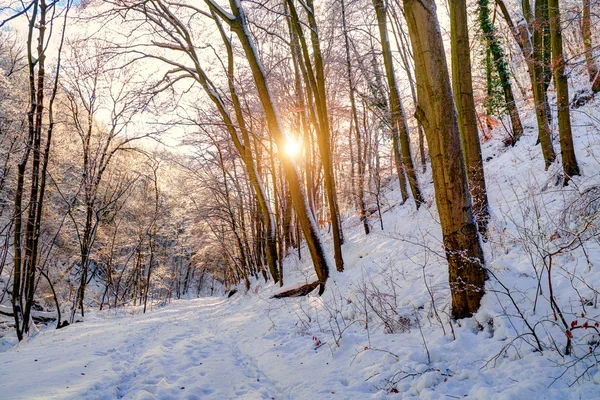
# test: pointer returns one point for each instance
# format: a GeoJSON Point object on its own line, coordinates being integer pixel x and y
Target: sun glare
{"type": "Point", "coordinates": [292, 147]}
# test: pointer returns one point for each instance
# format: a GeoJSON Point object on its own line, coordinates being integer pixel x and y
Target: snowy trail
{"type": "Point", "coordinates": [180, 352]}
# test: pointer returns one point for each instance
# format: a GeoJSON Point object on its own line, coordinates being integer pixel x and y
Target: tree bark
{"type": "Point", "coordinates": [467, 120]}
{"type": "Point", "coordinates": [586, 33]}
{"type": "Point", "coordinates": [569, 161]}
{"type": "Point", "coordinates": [400, 135]}
{"type": "Point", "coordinates": [437, 113]}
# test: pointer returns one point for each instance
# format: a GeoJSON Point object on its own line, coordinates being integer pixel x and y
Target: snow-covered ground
{"type": "Point", "coordinates": [382, 329]}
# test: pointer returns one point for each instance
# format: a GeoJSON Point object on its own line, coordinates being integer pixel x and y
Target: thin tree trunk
{"type": "Point", "coordinates": [567, 150]}
{"type": "Point", "coordinates": [400, 134]}
{"type": "Point", "coordinates": [359, 153]}
{"type": "Point", "coordinates": [467, 120]}
{"type": "Point", "coordinates": [586, 33]}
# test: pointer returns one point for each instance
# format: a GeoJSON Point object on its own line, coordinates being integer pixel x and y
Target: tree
{"type": "Point", "coordinates": [43, 21]}
{"type": "Point", "coordinates": [400, 135]}
{"type": "Point", "coordinates": [315, 81]}
{"type": "Point", "coordinates": [437, 113]}
{"type": "Point", "coordinates": [354, 126]}
{"type": "Point", "coordinates": [93, 83]}
{"type": "Point", "coordinates": [462, 83]}
{"type": "Point", "coordinates": [536, 58]}
{"type": "Point", "coordinates": [569, 160]}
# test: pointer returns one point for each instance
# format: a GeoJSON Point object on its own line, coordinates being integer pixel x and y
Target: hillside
{"type": "Point", "coordinates": [382, 328]}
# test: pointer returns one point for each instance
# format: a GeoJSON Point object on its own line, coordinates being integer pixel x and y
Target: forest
{"type": "Point", "coordinates": [345, 199]}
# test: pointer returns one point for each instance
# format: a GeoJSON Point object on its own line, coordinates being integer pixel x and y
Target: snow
{"type": "Point", "coordinates": [336, 346]}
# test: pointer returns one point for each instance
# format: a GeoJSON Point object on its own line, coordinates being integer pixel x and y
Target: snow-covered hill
{"type": "Point", "coordinates": [382, 328]}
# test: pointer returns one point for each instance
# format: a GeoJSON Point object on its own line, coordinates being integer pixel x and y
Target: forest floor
{"type": "Point", "coordinates": [382, 328]}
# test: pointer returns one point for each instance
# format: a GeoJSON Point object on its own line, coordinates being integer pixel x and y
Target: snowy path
{"type": "Point", "coordinates": [180, 352]}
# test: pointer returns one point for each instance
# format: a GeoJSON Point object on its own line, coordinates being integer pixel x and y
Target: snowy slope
{"type": "Point", "coordinates": [381, 330]}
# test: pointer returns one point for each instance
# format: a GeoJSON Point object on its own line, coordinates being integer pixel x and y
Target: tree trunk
{"type": "Point", "coordinates": [586, 33]}
{"type": "Point", "coordinates": [400, 135]}
{"type": "Point", "coordinates": [437, 113]}
{"type": "Point", "coordinates": [316, 81]}
{"type": "Point", "coordinates": [465, 104]}
{"type": "Point", "coordinates": [569, 161]}
{"type": "Point", "coordinates": [359, 152]}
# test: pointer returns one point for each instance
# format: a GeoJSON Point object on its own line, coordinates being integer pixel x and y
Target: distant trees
{"type": "Point", "coordinates": [92, 84]}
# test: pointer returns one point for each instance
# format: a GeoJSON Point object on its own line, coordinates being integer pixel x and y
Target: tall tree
{"type": "Point", "coordinates": [400, 134]}
{"type": "Point", "coordinates": [239, 25]}
{"type": "Point", "coordinates": [569, 160]}
{"type": "Point", "coordinates": [43, 22]}
{"type": "Point", "coordinates": [315, 80]}
{"type": "Point", "coordinates": [360, 158]}
{"type": "Point", "coordinates": [462, 84]}
{"type": "Point", "coordinates": [437, 113]}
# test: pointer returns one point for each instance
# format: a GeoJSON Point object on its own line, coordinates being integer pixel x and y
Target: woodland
{"type": "Point", "coordinates": [355, 172]}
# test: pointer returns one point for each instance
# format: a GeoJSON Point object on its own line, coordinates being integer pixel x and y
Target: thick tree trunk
{"type": "Point", "coordinates": [437, 113]}
{"type": "Point", "coordinates": [569, 161]}
{"type": "Point", "coordinates": [400, 134]}
{"type": "Point", "coordinates": [465, 104]}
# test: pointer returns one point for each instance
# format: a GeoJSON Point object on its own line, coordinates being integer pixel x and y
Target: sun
{"type": "Point", "coordinates": [292, 147]}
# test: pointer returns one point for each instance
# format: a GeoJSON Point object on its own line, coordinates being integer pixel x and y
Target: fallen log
{"type": "Point", "coordinates": [299, 291]}
{"type": "Point", "coordinates": [39, 317]}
